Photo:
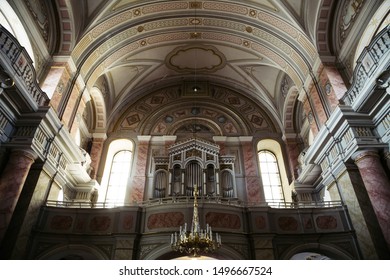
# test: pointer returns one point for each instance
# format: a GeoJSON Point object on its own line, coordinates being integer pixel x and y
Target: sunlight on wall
{"type": "Point", "coordinates": [11, 22]}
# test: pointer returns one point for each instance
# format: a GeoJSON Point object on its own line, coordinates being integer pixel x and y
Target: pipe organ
{"type": "Point", "coordinates": [194, 162]}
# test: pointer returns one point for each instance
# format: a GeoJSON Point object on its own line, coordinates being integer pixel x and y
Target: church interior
{"type": "Point", "coordinates": [220, 129]}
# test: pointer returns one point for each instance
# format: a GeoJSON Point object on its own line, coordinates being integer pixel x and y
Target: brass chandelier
{"type": "Point", "coordinates": [197, 241]}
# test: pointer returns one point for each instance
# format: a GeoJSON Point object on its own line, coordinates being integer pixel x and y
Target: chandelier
{"type": "Point", "coordinates": [196, 241]}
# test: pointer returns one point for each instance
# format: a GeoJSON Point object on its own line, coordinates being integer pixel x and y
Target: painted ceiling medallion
{"type": "Point", "coordinates": [198, 57]}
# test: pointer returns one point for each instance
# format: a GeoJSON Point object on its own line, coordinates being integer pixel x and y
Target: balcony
{"type": "Point", "coordinates": [146, 227]}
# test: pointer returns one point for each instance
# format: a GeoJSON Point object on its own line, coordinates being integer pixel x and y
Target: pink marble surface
{"type": "Point", "coordinates": [165, 220]}
{"type": "Point", "coordinates": [223, 220]}
{"type": "Point", "coordinates": [307, 223]}
{"type": "Point", "coordinates": [128, 222]}
{"type": "Point", "coordinates": [260, 222]}
{"type": "Point", "coordinates": [308, 110]}
{"type": "Point", "coordinates": [250, 159]}
{"type": "Point", "coordinates": [11, 183]}
{"type": "Point", "coordinates": [138, 184]}
{"type": "Point", "coordinates": [335, 79]}
{"type": "Point", "coordinates": [142, 157]}
{"type": "Point", "coordinates": [96, 152]}
{"type": "Point", "coordinates": [293, 153]}
{"type": "Point", "coordinates": [254, 192]}
{"type": "Point", "coordinates": [100, 223]}
{"type": "Point", "coordinates": [137, 189]}
{"type": "Point", "coordinates": [288, 223]}
{"type": "Point", "coordinates": [69, 108]}
{"type": "Point", "coordinates": [61, 222]}
{"type": "Point", "coordinates": [318, 107]}
{"type": "Point", "coordinates": [377, 186]}
{"type": "Point", "coordinates": [252, 180]}
{"type": "Point", "coordinates": [326, 222]}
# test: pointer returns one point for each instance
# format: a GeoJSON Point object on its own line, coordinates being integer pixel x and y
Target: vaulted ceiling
{"type": "Point", "coordinates": [202, 53]}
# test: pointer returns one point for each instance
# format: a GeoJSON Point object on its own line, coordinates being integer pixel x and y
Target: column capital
{"type": "Point", "coordinates": [25, 152]}
{"type": "Point", "coordinates": [359, 155]}
{"type": "Point", "coordinates": [99, 135]}
{"type": "Point", "coordinates": [144, 138]}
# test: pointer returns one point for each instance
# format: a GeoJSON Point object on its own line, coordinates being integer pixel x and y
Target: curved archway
{"type": "Point", "coordinates": [309, 256]}
{"type": "Point", "coordinates": [73, 252]}
{"type": "Point", "coordinates": [331, 251]}
{"type": "Point", "coordinates": [164, 252]}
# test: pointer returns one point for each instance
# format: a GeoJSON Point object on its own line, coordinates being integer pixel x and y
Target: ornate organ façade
{"type": "Point", "coordinates": [194, 162]}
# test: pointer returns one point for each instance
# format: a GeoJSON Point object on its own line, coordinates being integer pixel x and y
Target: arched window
{"type": "Point", "coordinates": [119, 174]}
{"type": "Point", "coordinates": [270, 176]}
{"type": "Point", "coordinates": [117, 171]}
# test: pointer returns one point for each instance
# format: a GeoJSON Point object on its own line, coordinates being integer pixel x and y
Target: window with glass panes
{"type": "Point", "coordinates": [119, 174]}
{"type": "Point", "coordinates": [270, 176]}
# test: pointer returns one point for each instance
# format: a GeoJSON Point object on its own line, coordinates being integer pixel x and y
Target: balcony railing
{"type": "Point", "coordinates": [189, 200]}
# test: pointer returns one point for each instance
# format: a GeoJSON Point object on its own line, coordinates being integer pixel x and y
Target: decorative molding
{"type": "Point", "coordinates": [374, 58]}
{"type": "Point", "coordinates": [19, 65]}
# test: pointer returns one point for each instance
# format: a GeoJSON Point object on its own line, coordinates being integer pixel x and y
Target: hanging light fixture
{"type": "Point", "coordinates": [197, 241]}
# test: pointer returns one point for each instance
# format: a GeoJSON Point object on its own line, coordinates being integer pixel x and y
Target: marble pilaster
{"type": "Point", "coordinates": [252, 179]}
{"type": "Point", "coordinates": [293, 151]}
{"type": "Point", "coordinates": [377, 185]}
{"type": "Point", "coordinates": [11, 183]}
{"type": "Point", "coordinates": [138, 185]}
{"type": "Point", "coordinates": [96, 153]}
{"type": "Point", "coordinates": [334, 84]}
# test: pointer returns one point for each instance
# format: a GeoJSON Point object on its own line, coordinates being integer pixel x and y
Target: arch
{"type": "Point", "coordinates": [73, 251]}
{"type": "Point", "coordinates": [309, 256]}
{"type": "Point", "coordinates": [288, 110]}
{"type": "Point", "coordinates": [99, 119]}
{"type": "Point", "coordinates": [164, 252]}
{"type": "Point", "coordinates": [331, 251]}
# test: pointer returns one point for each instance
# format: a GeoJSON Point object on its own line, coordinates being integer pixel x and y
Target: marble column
{"type": "Point", "coordinates": [333, 84]}
{"type": "Point", "coordinates": [252, 180]}
{"type": "Point", "coordinates": [221, 142]}
{"type": "Point", "coordinates": [11, 183]}
{"type": "Point", "coordinates": [293, 146]}
{"type": "Point", "coordinates": [139, 180]}
{"type": "Point", "coordinates": [96, 154]}
{"type": "Point", "coordinates": [377, 185]}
